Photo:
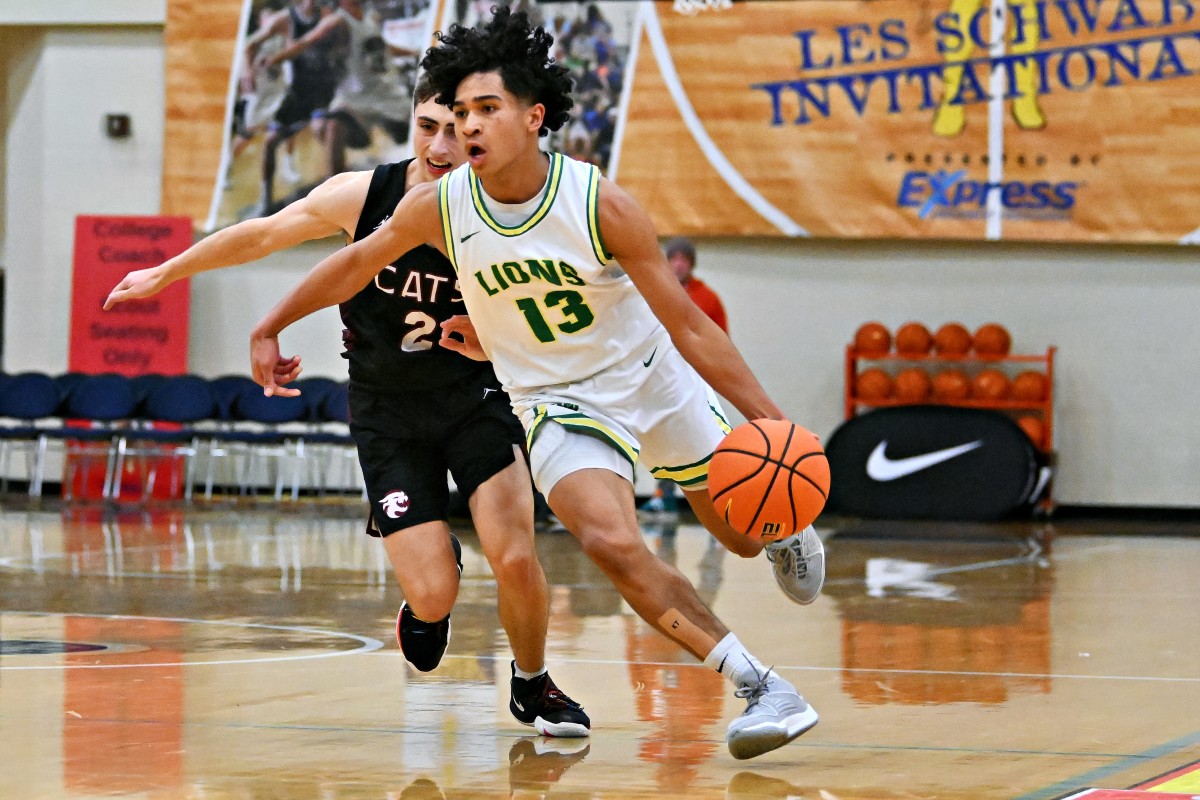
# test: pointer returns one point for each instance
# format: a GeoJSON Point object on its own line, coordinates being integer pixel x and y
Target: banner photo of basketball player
{"type": "Point", "coordinates": [325, 86]}
{"type": "Point", "coordinates": [1037, 120]}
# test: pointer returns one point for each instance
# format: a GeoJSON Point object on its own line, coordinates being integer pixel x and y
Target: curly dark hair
{"type": "Point", "coordinates": [511, 46]}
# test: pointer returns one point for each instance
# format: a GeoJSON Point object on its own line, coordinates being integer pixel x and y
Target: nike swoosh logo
{"type": "Point", "coordinates": [882, 468]}
{"type": "Point", "coordinates": [517, 703]}
{"type": "Point", "coordinates": [468, 236]}
{"type": "Point", "coordinates": [646, 363]}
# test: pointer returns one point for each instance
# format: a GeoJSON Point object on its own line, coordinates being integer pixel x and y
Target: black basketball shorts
{"type": "Point", "coordinates": [408, 441]}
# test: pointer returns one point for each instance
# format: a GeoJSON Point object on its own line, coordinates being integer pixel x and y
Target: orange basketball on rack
{"type": "Point", "coordinates": [951, 385]}
{"type": "Point", "coordinates": [1030, 386]}
{"type": "Point", "coordinates": [873, 384]}
{"type": "Point", "coordinates": [872, 339]}
{"type": "Point", "coordinates": [991, 340]}
{"type": "Point", "coordinates": [1034, 429]}
{"type": "Point", "coordinates": [913, 339]}
{"type": "Point", "coordinates": [768, 479]}
{"type": "Point", "coordinates": [913, 385]}
{"type": "Point", "coordinates": [990, 384]}
{"type": "Point", "coordinates": [952, 339]}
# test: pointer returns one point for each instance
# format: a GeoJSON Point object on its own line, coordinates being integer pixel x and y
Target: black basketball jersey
{"type": "Point", "coordinates": [314, 66]}
{"type": "Point", "coordinates": [393, 325]}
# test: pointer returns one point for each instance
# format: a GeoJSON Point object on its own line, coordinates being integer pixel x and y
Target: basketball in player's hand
{"type": "Point", "coordinates": [768, 479]}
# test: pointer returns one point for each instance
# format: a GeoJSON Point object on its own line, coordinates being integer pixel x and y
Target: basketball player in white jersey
{"type": "Point", "coordinates": [591, 334]}
{"type": "Point", "coordinates": [417, 410]}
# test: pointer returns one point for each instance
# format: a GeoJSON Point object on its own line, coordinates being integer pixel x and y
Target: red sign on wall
{"type": "Point", "coordinates": [138, 336]}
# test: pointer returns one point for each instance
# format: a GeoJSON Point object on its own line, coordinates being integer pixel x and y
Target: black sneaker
{"type": "Point", "coordinates": [543, 705]}
{"type": "Point", "coordinates": [424, 643]}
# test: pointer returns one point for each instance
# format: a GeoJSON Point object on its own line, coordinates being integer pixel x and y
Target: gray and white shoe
{"type": "Point", "coordinates": [799, 565]}
{"type": "Point", "coordinates": [775, 715]}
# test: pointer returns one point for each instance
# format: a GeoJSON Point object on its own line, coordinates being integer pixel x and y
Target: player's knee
{"type": "Point", "coordinates": [613, 551]}
{"type": "Point", "coordinates": [432, 597]}
{"type": "Point", "coordinates": [515, 566]}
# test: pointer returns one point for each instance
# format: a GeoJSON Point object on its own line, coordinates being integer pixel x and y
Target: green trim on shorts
{"type": "Point", "coordinates": [581, 423]}
{"type": "Point", "coordinates": [686, 475]}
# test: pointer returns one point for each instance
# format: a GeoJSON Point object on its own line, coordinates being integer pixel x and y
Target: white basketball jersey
{"type": "Point", "coordinates": [548, 302]}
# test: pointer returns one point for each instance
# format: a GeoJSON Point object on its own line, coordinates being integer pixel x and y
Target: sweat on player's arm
{"type": "Point", "coordinates": [629, 234]}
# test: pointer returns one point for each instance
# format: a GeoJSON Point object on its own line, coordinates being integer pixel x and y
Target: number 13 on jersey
{"type": "Point", "coordinates": [566, 303]}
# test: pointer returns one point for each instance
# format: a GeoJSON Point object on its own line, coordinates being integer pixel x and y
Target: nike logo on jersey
{"type": "Point", "coordinates": [487, 391]}
{"type": "Point", "coordinates": [882, 468]}
{"type": "Point", "coordinates": [646, 363]}
{"type": "Point", "coordinates": [468, 236]}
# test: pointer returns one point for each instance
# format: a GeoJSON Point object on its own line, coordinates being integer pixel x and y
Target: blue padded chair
{"type": "Point", "coordinates": [170, 414]}
{"type": "Point", "coordinates": [335, 457]}
{"type": "Point", "coordinates": [97, 411]}
{"type": "Point", "coordinates": [266, 431]}
{"type": "Point", "coordinates": [29, 405]}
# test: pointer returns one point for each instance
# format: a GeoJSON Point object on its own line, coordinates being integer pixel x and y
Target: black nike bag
{"type": "Point", "coordinates": [932, 462]}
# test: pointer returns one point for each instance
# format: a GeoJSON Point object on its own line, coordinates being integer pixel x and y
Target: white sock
{"type": "Point", "coordinates": [734, 661]}
{"type": "Point", "coordinates": [527, 676]}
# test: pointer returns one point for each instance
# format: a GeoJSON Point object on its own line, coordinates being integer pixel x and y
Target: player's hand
{"type": "Point", "coordinates": [269, 369]}
{"type": "Point", "coordinates": [139, 283]}
{"type": "Point", "coordinates": [469, 346]}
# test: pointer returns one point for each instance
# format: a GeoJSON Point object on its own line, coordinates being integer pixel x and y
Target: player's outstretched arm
{"type": "Point", "coordinates": [630, 236]}
{"type": "Point", "coordinates": [339, 277]}
{"type": "Point", "coordinates": [332, 207]}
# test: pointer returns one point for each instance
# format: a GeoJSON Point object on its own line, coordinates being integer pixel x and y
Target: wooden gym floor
{"type": "Point", "coordinates": [245, 650]}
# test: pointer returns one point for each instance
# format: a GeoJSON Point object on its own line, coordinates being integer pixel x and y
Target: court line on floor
{"type": "Point", "coordinates": [367, 644]}
{"type": "Point", "coordinates": [1092, 777]}
{"type": "Point", "coordinates": [783, 667]}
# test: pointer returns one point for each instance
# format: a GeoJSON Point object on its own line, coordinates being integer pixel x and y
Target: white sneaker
{"type": "Point", "coordinates": [799, 565]}
{"type": "Point", "coordinates": [775, 715]}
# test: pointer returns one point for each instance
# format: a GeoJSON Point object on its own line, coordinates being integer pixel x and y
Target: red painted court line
{"type": "Point", "coordinates": [1185, 779]}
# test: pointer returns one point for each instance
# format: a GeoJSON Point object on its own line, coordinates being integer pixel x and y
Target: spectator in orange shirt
{"type": "Point", "coordinates": [681, 255]}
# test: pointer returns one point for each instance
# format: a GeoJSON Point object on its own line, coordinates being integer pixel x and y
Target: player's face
{"type": "Point", "coordinates": [435, 146]}
{"type": "Point", "coordinates": [494, 125]}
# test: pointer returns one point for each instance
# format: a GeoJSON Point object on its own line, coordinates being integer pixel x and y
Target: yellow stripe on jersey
{"type": "Point", "coordinates": [593, 204]}
{"type": "Point", "coordinates": [556, 169]}
{"type": "Point", "coordinates": [444, 208]}
{"type": "Point", "coordinates": [721, 421]}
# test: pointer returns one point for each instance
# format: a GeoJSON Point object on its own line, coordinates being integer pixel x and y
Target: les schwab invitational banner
{"type": "Point", "coordinates": [1052, 120]}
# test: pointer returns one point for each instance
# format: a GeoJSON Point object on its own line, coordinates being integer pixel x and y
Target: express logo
{"type": "Point", "coordinates": [953, 194]}
{"type": "Point", "coordinates": [395, 504]}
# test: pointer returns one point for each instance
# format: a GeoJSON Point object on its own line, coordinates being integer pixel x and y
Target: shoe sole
{"type": "Point", "coordinates": [749, 743]}
{"type": "Point", "coordinates": [563, 730]}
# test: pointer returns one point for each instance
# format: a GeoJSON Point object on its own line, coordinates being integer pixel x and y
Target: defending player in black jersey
{"type": "Point", "coordinates": [417, 409]}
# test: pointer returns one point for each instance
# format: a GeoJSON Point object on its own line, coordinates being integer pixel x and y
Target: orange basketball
{"type": "Point", "coordinates": [992, 340]}
{"type": "Point", "coordinates": [913, 385]}
{"type": "Point", "coordinates": [1030, 386]}
{"type": "Point", "coordinates": [913, 339]}
{"type": "Point", "coordinates": [1034, 429]}
{"type": "Point", "coordinates": [952, 339]}
{"type": "Point", "coordinates": [990, 384]}
{"type": "Point", "coordinates": [951, 385]}
{"type": "Point", "coordinates": [768, 479]}
{"type": "Point", "coordinates": [873, 384]}
{"type": "Point", "coordinates": [872, 339]}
